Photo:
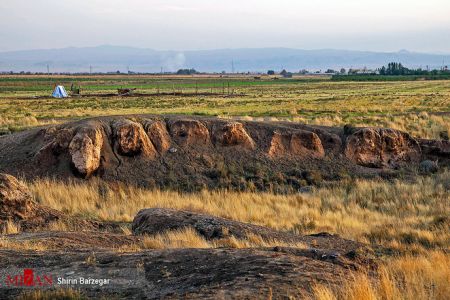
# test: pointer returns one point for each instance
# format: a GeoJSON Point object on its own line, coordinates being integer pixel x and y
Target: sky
{"type": "Point", "coordinates": [376, 25]}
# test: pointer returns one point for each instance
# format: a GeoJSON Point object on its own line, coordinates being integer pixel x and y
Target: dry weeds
{"type": "Point", "coordinates": [405, 216]}
{"type": "Point", "coordinates": [403, 278]}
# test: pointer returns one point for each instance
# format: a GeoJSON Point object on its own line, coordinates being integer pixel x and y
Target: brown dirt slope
{"type": "Point", "coordinates": [191, 153]}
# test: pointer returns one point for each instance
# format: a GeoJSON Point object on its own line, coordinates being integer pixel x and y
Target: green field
{"type": "Point", "coordinates": [420, 107]}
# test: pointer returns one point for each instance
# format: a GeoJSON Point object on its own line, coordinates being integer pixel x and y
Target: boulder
{"type": "Point", "coordinates": [380, 148]}
{"type": "Point", "coordinates": [158, 220]}
{"type": "Point", "coordinates": [158, 134]}
{"type": "Point", "coordinates": [130, 139]}
{"type": "Point", "coordinates": [85, 150]}
{"type": "Point", "coordinates": [234, 134]}
{"type": "Point", "coordinates": [188, 132]}
{"type": "Point", "coordinates": [60, 138]}
{"type": "Point", "coordinates": [299, 143]}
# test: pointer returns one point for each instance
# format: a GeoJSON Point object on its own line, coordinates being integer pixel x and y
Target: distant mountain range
{"type": "Point", "coordinates": [113, 58]}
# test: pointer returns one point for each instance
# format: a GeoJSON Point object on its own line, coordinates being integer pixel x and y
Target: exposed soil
{"type": "Point", "coordinates": [192, 153]}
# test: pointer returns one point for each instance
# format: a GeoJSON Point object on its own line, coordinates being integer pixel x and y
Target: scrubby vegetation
{"type": "Point", "coordinates": [403, 216]}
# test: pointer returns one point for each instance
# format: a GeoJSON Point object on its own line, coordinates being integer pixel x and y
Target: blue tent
{"type": "Point", "coordinates": [59, 92]}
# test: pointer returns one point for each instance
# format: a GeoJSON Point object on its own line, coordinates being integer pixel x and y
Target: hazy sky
{"type": "Point", "coordinates": [382, 25]}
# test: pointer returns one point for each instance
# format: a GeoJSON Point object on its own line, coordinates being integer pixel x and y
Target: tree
{"type": "Point", "coordinates": [286, 74]}
{"type": "Point", "coordinates": [343, 71]}
{"type": "Point", "coordinates": [271, 72]}
{"type": "Point", "coordinates": [186, 72]}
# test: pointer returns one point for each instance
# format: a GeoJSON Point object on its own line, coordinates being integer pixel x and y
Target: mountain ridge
{"type": "Point", "coordinates": [107, 58]}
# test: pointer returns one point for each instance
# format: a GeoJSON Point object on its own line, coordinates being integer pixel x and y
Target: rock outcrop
{"type": "Point", "coordinates": [17, 206]}
{"type": "Point", "coordinates": [130, 139]}
{"type": "Point", "coordinates": [85, 150]}
{"type": "Point", "coordinates": [15, 199]}
{"type": "Point", "coordinates": [158, 220]}
{"type": "Point", "coordinates": [233, 134]}
{"type": "Point", "coordinates": [188, 132]}
{"type": "Point", "coordinates": [276, 273]}
{"type": "Point", "coordinates": [381, 148]}
{"type": "Point", "coordinates": [197, 152]}
{"type": "Point", "coordinates": [435, 148]}
{"type": "Point", "coordinates": [158, 134]}
{"type": "Point", "coordinates": [298, 143]}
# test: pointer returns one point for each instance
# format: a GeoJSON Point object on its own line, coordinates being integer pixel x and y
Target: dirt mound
{"type": "Point", "coordinates": [16, 205]}
{"type": "Point", "coordinates": [157, 220]}
{"type": "Point", "coordinates": [297, 143]}
{"type": "Point", "coordinates": [233, 134]}
{"type": "Point", "coordinates": [378, 148]}
{"type": "Point", "coordinates": [194, 153]}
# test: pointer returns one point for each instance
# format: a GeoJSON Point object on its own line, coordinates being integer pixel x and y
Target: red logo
{"type": "Point", "coordinates": [28, 278]}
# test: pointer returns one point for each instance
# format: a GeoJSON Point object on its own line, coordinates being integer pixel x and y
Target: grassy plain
{"type": "Point", "coordinates": [419, 107]}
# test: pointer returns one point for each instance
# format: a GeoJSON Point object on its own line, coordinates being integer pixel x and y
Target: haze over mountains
{"type": "Point", "coordinates": [113, 58]}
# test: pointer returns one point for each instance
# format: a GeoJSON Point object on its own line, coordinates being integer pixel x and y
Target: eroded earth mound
{"type": "Point", "coordinates": [192, 153]}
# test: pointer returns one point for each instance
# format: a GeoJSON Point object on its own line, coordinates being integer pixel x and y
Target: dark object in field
{"type": "Point", "coordinates": [75, 90]}
{"type": "Point", "coordinates": [436, 150]}
{"type": "Point", "coordinates": [125, 92]}
{"type": "Point", "coordinates": [428, 167]}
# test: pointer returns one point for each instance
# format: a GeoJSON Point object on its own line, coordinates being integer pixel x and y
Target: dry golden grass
{"type": "Point", "coordinates": [189, 238]}
{"type": "Point", "coordinates": [22, 245]}
{"type": "Point", "coordinates": [421, 125]}
{"type": "Point", "coordinates": [66, 294]}
{"type": "Point", "coordinates": [410, 216]}
{"type": "Point", "coordinates": [404, 278]}
{"type": "Point", "coordinates": [10, 228]}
